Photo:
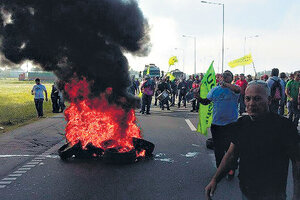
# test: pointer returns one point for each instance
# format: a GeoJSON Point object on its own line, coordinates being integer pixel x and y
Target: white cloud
{"type": "Point", "coordinates": [164, 40]}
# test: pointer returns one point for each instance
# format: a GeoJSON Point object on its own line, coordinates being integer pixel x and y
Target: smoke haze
{"type": "Point", "coordinates": [82, 37]}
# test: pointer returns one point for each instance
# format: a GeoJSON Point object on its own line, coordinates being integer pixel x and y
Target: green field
{"type": "Point", "coordinates": [17, 105]}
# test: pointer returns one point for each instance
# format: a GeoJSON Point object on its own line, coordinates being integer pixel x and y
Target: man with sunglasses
{"type": "Point", "coordinates": [265, 143]}
{"type": "Point", "coordinates": [225, 97]}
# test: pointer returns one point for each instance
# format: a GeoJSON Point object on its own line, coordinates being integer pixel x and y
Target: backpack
{"type": "Point", "coordinates": [276, 90]}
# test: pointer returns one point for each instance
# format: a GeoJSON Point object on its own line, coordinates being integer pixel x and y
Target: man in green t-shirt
{"type": "Point", "coordinates": [292, 92]}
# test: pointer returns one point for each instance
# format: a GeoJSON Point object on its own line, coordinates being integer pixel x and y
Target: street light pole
{"type": "Point", "coordinates": [195, 54]}
{"type": "Point", "coordinates": [223, 9]}
{"type": "Point", "coordinates": [245, 46]}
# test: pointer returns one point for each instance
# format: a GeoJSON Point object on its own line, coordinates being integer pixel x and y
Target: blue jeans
{"type": "Point", "coordinates": [39, 106]}
{"type": "Point", "coordinates": [294, 112]}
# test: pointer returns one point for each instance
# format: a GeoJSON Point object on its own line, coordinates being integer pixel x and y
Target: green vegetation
{"type": "Point", "coordinates": [16, 103]}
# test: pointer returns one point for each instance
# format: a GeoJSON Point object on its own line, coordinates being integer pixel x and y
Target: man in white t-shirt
{"type": "Point", "coordinates": [38, 92]}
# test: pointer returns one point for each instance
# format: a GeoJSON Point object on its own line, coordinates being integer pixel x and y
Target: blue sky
{"type": "Point", "coordinates": [277, 22]}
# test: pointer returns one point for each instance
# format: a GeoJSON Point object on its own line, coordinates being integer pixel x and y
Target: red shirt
{"type": "Point", "coordinates": [243, 85]}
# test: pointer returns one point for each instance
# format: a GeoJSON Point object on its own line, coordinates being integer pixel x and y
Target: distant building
{"type": "Point", "coordinates": [44, 76]}
{"type": "Point", "coordinates": [10, 73]}
{"type": "Point", "coordinates": [177, 73]}
{"type": "Point", "coordinates": [153, 70]}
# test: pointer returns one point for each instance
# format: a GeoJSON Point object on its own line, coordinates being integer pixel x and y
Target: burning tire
{"type": "Point", "coordinates": [141, 144]}
{"type": "Point", "coordinates": [68, 151]}
{"type": "Point", "coordinates": [142, 149]}
{"type": "Point", "coordinates": [112, 156]}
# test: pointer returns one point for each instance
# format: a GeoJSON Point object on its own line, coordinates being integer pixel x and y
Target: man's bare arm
{"type": "Point", "coordinates": [224, 166]}
{"type": "Point", "coordinates": [234, 88]}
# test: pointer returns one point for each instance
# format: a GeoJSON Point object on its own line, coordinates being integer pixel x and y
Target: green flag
{"type": "Point", "coordinates": [206, 111]}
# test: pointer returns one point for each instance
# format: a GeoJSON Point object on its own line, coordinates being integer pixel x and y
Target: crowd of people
{"type": "Point", "coordinates": [168, 93]}
{"type": "Point", "coordinates": [254, 127]}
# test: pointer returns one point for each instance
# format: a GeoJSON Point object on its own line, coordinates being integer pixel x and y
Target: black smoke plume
{"type": "Point", "coordinates": [82, 37]}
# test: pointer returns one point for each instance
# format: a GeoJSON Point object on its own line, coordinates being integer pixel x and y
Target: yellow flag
{"type": "Point", "coordinates": [173, 60]}
{"type": "Point", "coordinates": [148, 70]}
{"type": "Point", "coordinates": [171, 76]}
{"type": "Point", "coordinates": [246, 60]}
{"type": "Point", "coordinates": [140, 94]}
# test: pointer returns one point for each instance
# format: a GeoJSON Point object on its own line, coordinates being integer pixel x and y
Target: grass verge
{"type": "Point", "coordinates": [17, 105]}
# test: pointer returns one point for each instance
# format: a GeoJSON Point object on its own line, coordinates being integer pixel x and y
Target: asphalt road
{"type": "Point", "coordinates": [181, 168]}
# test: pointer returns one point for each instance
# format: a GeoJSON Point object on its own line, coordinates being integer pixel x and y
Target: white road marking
{"type": "Point", "coordinates": [189, 123]}
{"type": "Point", "coordinates": [15, 175]}
{"type": "Point", "coordinates": [20, 172]}
{"type": "Point", "coordinates": [32, 163]}
{"type": "Point", "coordinates": [28, 165]}
{"type": "Point", "coordinates": [37, 157]}
{"type": "Point", "coordinates": [21, 169]}
{"type": "Point", "coordinates": [9, 179]}
{"type": "Point", "coordinates": [40, 157]}
{"type": "Point", "coordinates": [8, 156]}
{"type": "Point", "coordinates": [37, 160]}
{"type": "Point", "coordinates": [5, 182]}
{"type": "Point", "coordinates": [191, 154]}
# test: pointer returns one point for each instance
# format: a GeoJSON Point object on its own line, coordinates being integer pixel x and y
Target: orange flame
{"type": "Point", "coordinates": [96, 121]}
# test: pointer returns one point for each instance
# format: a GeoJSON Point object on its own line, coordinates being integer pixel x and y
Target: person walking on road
{"type": "Point", "coordinates": [182, 91]}
{"type": "Point", "coordinates": [54, 98]}
{"type": "Point", "coordinates": [282, 102]}
{"type": "Point", "coordinates": [265, 142]}
{"type": "Point", "coordinates": [147, 89]}
{"type": "Point", "coordinates": [174, 91]}
{"type": "Point", "coordinates": [38, 92]}
{"type": "Point", "coordinates": [292, 92]}
{"type": "Point", "coordinates": [277, 88]}
{"type": "Point", "coordinates": [196, 90]}
{"type": "Point", "coordinates": [164, 86]}
{"type": "Point", "coordinates": [225, 98]}
{"type": "Point", "coordinates": [242, 83]}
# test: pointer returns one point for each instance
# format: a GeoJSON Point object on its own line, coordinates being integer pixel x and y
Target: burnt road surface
{"type": "Point", "coordinates": [181, 168]}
